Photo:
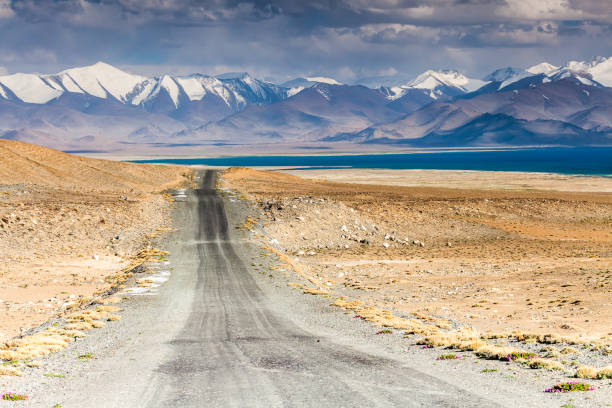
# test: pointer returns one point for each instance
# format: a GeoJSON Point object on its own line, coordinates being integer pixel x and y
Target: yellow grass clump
{"type": "Point", "coordinates": [311, 291]}
{"type": "Point", "coordinates": [55, 339]}
{"type": "Point", "coordinates": [544, 363]}
{"type": "Point", "coordinates": [108, 301]}
{"type": "Point", "coordinates": [88, 315]}
{"type": "Point", "coordinates": [385, 318]}
{"type": "Point", "coordinates": [569, 350]}
{"type": "Point", "coordinates": [66, 332]}
{"type": "Point", "coordinates": [464, 339]}
{"type": "Point", "coordinates": [594, 373]}
{"type": "Point", "coordinates": [494, 352]}
{"type": "Point", "coordinates": [78, 326]}
{"type": "Point", "coordinates": [549, 338]}
{"type": "Point", "coordinates": [113, 318]}
{"type": "Point", "coordinates": [98, 324]}
{"type": "Point", "coordinates": [36, 345]}
{"type": "Point", "coordinates": [107, 309]}
{"type": "Point", "coordinates": [10, 371]}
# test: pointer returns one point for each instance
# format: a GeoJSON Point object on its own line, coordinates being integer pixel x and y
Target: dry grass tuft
{"type": "Point", "coordinates": [67, 332]}
{"type": "Point", "coordinates": [113, 318]}
{"type": "Point", "coordinates": [109, 301]}
{"type": "Point", "coordinates": [594, 373]}
{"type": "Point", "coordinates": [107, 309]}
{"type": "Point", "coordinates": [87, 315]}
{"type": "Point", "coordinates": [78, 326]}
{"type": "Point", "coordinates": [538, 363]}
{"type": "Point", "coordinates": [569, 350]}
{"type": "Point", "coordinates": [463, 339]}
{"type": "Point", "coordinates": [385, 318]}
{"type": "Point", "coordinates": [10, 371]}
{"type": "Point", "coordinates": [493, 352]}
{"type": "Point", "coordinates": [311, 291]}
{"type": "Point", "coordinates": [36, 345]}
{"type": "Point", "coordinates": [549, 338]}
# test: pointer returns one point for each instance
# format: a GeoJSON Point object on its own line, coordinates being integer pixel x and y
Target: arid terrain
{"type": "Point", "coordinates": [67, 224]}
{"type": "Point", "coordinates": [500, 261]}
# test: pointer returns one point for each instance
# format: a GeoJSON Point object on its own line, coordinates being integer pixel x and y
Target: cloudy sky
{"type": "Point", "coordinates": [277, 40]}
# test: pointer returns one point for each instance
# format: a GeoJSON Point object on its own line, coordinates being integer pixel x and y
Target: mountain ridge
{"type": "Point", "coordinates": [100, 107]}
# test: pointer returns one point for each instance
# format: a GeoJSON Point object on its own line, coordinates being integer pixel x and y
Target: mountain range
{"type": "Point", "coordinates": [102, 108]}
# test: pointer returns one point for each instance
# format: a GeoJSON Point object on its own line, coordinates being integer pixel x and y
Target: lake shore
{"type": "Point", "coordinates": [464, 179]}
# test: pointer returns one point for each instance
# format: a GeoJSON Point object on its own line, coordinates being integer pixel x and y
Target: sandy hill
{"type": "Point", "coordinates": [22, 163]}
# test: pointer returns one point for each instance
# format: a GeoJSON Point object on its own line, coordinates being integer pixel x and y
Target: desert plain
{"type": "Point", "coordinates": [514, 267]}
{"type": "Point", "coordinates": [508, 254]}
{"type": "Point", "coordinates": [69, 224]}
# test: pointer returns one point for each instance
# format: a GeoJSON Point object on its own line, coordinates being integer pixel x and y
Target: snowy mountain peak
{"type": "Point", "coordinates": [434, 79]}
{"type": "Point", "coordinates": [542, 68]}
{"type": "Point", "coordinates": [297, 85]}
{"type": "Point", "coordinates": [564, 73]}
{"type": "Point", "coordinates": [99, 79]}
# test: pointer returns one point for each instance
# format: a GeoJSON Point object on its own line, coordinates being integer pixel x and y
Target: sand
{"type": "Point", "coordinates": [22, 163]}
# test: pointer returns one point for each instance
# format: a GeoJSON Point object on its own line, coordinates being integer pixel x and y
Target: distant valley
{"type": "Point", "coordinates": [100, 108]}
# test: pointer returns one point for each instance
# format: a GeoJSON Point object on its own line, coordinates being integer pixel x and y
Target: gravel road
{"type": "Point", "coordinates": [219, 334]}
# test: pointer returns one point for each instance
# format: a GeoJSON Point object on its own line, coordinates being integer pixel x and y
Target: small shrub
{"type": "Point", "coordinates": [54, 375]}
{"type": "Point", "coordinates": [594, 373]}
{"type": "Point", "coordinates": [448, 357]}
{"type": "Point", "coordinates": [489, 370]}
{"type": "Point", "coordinates": [385, 331]}
{"type": "Point", "coordinates": [86, 356]}
{"type": "Point", "coordinates": [9, 396]}
{"type": "Point", "coordinates": [523, 355]}
{"type": "Point", "coordinates": [570, 386]}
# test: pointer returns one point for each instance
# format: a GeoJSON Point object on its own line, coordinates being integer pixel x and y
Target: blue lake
{"type": "Point", "coordinates": [593, 161]}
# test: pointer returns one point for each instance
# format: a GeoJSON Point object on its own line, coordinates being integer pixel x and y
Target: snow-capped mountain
{"type": "Point", "coordinates": [297, 85]}
{"type": "Point", "coordinates": [437, 84]}
{"type": "Point", "coordinates": [107, 82]}
{"type": "Point", "coordinates": [100, 107]}
{"type": "Point", "coordinates": [542, 68]}
{"type": "Point", "coordinates": [598, 71]}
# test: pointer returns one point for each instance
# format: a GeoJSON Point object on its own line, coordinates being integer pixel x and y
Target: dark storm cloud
{"type": "Point", "coordinates": [279, 39]}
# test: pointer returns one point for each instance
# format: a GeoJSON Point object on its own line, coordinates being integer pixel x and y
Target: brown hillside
{"type": "Point", "coordinates": [22, 163]}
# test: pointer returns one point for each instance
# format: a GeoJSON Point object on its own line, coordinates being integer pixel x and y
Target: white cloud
{"type": "Point", "coordinates": [5, 9]}
{"type": "Point", "coordinates": [398, 32]}
{"type": "Point", "coordinates": [540, 9]}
